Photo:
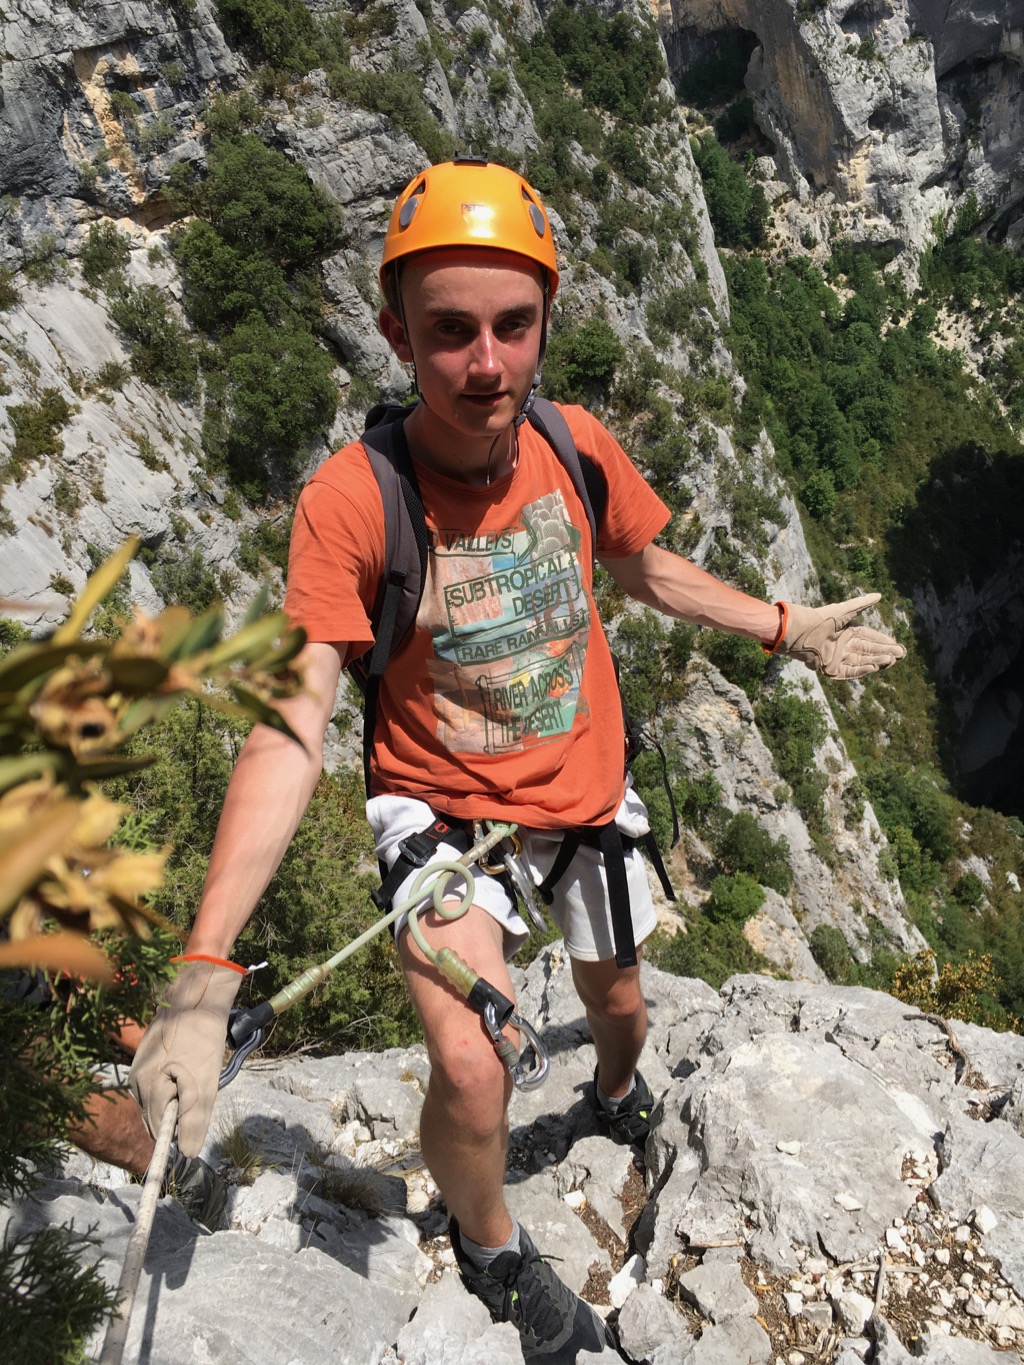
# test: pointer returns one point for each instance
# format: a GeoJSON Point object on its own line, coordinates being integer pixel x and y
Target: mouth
{"type": "Point", "coordinates": [485, 400]}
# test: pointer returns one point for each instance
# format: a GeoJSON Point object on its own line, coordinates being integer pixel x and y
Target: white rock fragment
{"type": "Point", "coordinates": [576, 1199]}
{"type": "Point", "coordinates": [789, 1148]}
{"type": "Point", "coordinates": [847, 1201]}
{"type": "Point", "coordinates": [854, 1310]}
{"type": "Point", "coordinates": [984, 1219]}
{"type": "Point", "coordinates": [895, 1242]}
{"type": "Point", "coordinates": [620, 1286]}
{"type": "Point", "coordinates": [794, 1304]}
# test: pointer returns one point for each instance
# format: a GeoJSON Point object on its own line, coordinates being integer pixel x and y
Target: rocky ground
{"type": "Point", "coordinates": [833, 1178]}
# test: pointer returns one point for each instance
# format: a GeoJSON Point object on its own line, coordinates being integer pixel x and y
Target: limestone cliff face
{"type": "Point", "coordinates": [881, 113]}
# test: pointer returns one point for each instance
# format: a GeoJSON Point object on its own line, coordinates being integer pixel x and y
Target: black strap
{"type": "Point", "coordinates": [658, 863]}
{"type": "Point", "coordinates": [618, 894]}
{"type": "Point", "coordinates": [612, 844]}
{"type": "Point", "coordinates": [571, 840]}
{"type": "Point", "coordinates": [399, 593]}
{"type": "Point", "coordinates": [415, 852]}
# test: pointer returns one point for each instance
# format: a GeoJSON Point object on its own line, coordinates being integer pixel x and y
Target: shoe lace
{"type": "Point", "coordinates": [546, 1315]}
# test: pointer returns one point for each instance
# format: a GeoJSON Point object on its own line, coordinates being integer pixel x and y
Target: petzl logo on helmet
{"type": "Point", "coordinates": [479, 220]}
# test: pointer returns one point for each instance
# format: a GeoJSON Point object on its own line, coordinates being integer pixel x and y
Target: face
{"type": "Point", "coordinates": [473, 325]}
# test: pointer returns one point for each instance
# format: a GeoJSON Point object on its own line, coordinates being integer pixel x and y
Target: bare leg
{"type": "Point", "coordinates": [464, 1124]}
{"type": "Point", "coordinates": [617, 1016]}
{"type": "Point", "coordinates": [113, 1131]}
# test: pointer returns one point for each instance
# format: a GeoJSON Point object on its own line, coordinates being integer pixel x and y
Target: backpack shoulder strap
{"type": "Point", "coordinates": [405, 558]}
{"type": "Point", "coordinates": [405, 536]}
{"type": "Point", "coordinates": [587, 478]}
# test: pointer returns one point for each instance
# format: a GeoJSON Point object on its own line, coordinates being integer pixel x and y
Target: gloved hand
{"type": "Point", "coordinates": [182, 1051]}
{"type": "Point", "coordinates": [824, 639]}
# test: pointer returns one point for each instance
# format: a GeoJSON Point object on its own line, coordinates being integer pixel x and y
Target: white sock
{"type": "Point", "coordinates": [483, 1256]}
{"type": "Point", "coordinates": [612, 1103]}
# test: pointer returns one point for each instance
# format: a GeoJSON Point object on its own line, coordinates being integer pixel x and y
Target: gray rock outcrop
{"type": "Point", "coordinates": [818, 1171]}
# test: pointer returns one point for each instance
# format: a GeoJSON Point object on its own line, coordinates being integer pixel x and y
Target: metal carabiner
{"type": "Point", "coordinates": [509, 865]}
{"type": "Point", "coordinates": [508, 1053]}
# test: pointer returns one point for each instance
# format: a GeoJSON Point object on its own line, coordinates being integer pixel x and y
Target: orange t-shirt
{"type": "Point", "coordinates": [502, 702]}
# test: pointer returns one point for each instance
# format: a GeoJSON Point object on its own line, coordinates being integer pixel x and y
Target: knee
{"type": "Point", "coordinates": [468, 1078]}
{"type": "Point", "coordinates": [621, 1000]}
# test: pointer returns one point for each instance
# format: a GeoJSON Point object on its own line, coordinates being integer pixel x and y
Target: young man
{"type": "Point", "coordinates": [500, 704]}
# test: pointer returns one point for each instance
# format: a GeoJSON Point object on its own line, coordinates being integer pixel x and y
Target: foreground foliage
{"type": "Point", "coordinates": [82, 948]}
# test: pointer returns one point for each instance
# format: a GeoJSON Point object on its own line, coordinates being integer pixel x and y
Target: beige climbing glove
{"type": "Point", "coordinates": [182, 1051]}
{"type": "Point", "coordinates": [825, 639]}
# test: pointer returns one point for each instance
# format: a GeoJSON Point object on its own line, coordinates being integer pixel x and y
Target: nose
{"type": "Point", "coordinates": [483, 361]}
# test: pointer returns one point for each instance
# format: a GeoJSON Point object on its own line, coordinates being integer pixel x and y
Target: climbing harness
{"type": "Point", "coordinates": [430, 883]}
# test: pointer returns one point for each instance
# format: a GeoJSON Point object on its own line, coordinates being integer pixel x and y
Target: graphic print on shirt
{"type": "Point", "coordinates": [510, 620]}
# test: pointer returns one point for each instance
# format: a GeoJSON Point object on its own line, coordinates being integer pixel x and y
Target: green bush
{"type": "Point", "coordinates": [734, 899]}
{"type": "Point", "coordinates": [161, 349]}
{"type": "Point", "coordinates": [10, 295]}
{"type": "Point", "coordinates": [263, 204]}
{"type": "Point", "coordinates": [37, 428]}
{"type": "Point", "coordinates": [793, 727]}
{"type": "Point", "coordinates": [742, 661]}
{"type": "Point", "coordinates": [745, 847]}
{"type": "Point", "coordinates": [106, 251]}
{"type": "Point", "coordinates": [280, 392]}
{"type": "Point", "coordinates": [832, 954]}
{"type": "Point", "coordinates": [582, 362]}
{"type": "Point", "coordinates": [185, 579]}
{"type": "Point", "coordinates": [280, 32]}
{"type": "Point", "coordinates": [707, 952]}
{"type": "Point", "coordinates": [737, 207]}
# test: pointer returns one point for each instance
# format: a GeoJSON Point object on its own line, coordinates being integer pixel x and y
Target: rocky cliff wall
{"type": "Point", "coordinates": [881, 113]}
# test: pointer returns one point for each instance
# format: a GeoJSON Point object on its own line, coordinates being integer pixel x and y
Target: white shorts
{"type": "Point", "coordinates": [580, 897]}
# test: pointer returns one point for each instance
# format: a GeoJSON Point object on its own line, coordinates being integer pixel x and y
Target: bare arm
{"type": "Point", "coordinates": [827, 639]}
{"type": "Point", "coordinates": [674, 586]}
{"type": "Point", "coordinates": [267, 795]}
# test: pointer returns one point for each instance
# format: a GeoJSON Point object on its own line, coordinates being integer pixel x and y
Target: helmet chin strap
{"type": "Point", "coordinates": [531, 397]}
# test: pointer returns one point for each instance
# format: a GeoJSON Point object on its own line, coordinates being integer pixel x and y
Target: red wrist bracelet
{"type": "Point", "coordinates": [783, 623]}
{"type": "Point", "coordinates": [207, 957]}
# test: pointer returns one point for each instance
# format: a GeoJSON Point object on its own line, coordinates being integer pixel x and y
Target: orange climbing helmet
{"type": "Point", "coordinates": [470, 203]}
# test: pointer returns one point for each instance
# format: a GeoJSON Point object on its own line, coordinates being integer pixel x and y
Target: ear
{"type": "Point", "coordinates": [395, 335]}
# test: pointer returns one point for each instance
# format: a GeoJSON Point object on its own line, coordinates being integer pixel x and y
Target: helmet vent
{"type": "Point", "coordinates": [537, 219]}
{"type": "Point", "coordinates": [408, 211]}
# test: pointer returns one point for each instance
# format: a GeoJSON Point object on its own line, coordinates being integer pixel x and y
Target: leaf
{"type": "Point", "coordinates": [61, 952]}
{"type": "Point", "coordinates": [289, 646]}
{"type": "Point", "coordinates": [24, 767]}
{"type": "Point", "coordinates": [97, 586]}
{"type": "Point", "coordinates": [203, 633]}
{"type": "Point", "coordinates": [257, 709]}
{"type": "Point", "coordinates": [22, 862]}
{"type": "Point", "coordinates": [257, 606]}
{"type": "Point", "coordinates": [136, 673]}
{"type": "Point", "coordinates": [246, 643]}
{"type": "Point", "coordinates": [34, 663]}
{"type": "Point", "coordinates": [173, 624]}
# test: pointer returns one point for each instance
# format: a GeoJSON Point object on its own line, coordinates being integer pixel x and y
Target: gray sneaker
{"type": "Point", "coordinates": [519, 1287]}
{"type": "Point", "coordinates": [631, 1122]}
{"type": "Point", "coordinates": [197, 1187]}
